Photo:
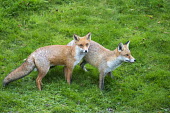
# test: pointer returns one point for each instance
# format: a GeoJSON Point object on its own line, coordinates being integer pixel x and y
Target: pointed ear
{"type": "Point", "coordinates": [127, 43]}
{"type": "Point", "coordinates": [88, 36]}
{"type": "Point", "coordinates": [120, 47]}
{"type": "Point", "coordinates": [76, 38]}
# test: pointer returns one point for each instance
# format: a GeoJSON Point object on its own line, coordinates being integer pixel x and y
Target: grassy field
{"type": "Point", "coordinates": [141, 87]}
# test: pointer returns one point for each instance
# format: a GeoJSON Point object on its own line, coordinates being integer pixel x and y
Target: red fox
{"type": "Point", "coordinates": [106, 60]}
{"type": "Point", "coordinates": [45, 57]}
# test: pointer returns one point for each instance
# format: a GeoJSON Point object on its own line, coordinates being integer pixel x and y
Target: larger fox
{"type": "Point", "coordinates": [106, 60]}
{"type": "Point", "coordinates": [44, 57]}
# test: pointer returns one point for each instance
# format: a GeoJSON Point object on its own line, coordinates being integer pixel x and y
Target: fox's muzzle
{"type": "Point", "coordinates": [132, 60]}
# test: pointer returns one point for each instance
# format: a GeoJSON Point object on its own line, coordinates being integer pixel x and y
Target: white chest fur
{"type": "Point", "coordinates": [111, 65]}
{"type": "Point", "coordinates": [79, 54]}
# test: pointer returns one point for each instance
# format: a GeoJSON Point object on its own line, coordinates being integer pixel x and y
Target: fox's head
{"type": "Point", "coordinates": [125, 54]}
{"type": "Point", "coordinates": [83, 42]}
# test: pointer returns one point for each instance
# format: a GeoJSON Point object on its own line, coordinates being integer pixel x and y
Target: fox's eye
{"type": "Point", "coordinates": [81, 45]}
{"type": "Point", "coordinates": [127, 54]}
{"type": "Point", "coordinates": [87, 44]}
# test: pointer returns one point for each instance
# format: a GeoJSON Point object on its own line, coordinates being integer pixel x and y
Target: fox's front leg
{"type": "Point", "coordinates": [65, 72]}
{"type": "Point", "coordinates": [82, 65]}
{"type": "Point", "coordinates": [68, 73]}
{"type": "Point", "coordinates": [101, 80]}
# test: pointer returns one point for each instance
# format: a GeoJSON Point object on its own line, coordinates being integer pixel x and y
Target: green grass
{"type": "Point", "coordinates": [141, 87]}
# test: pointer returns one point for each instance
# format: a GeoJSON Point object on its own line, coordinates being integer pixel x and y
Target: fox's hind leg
{"type": "Point", "coordinates": [41, 75]}
{"type": "Point", "coordinates": [82, 65]}
{"type": "Point", "coordinates": [43, 67]}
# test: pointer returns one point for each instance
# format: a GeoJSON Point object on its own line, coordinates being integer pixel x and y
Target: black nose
{"type": "Point", "coordinates": [86, 51]}
{"type": "Point", "coordinates": [135, 60]}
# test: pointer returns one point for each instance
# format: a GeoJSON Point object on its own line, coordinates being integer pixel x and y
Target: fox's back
{"type": "Point", "coordinates": [55, 54]}
{"type": "Point", "coordinates": [96, 54]}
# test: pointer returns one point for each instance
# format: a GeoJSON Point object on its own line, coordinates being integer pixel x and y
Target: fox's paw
{"type": "Point", "coordinates": [85, 69]}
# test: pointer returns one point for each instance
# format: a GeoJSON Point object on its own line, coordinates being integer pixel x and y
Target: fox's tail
{"type": "Point", "coordinates": [20, 72]}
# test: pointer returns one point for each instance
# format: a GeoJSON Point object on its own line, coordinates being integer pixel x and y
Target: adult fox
{"type": "Point", "coordinates": [104, 59]}
{"type": "Point", "coordinates": [45, 57]}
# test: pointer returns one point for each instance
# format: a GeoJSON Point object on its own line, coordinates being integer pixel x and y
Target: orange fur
{"type": "Point", "coordinates": [45, 57]}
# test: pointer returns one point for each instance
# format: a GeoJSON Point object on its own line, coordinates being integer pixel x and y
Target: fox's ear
{"type": "Point", "coordinates": [127, 43]}
{"type": "Point", "coordinates": [76, 38]}
{"type": "Point", "coordinates": [88, 36]}
{"type": "Point", "coordinates": [120, 47]}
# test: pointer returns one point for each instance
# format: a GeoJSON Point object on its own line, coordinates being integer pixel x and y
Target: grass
{"type": "Point", "coordinates": [136, 88]}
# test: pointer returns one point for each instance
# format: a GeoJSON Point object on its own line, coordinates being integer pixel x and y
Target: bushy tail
{"type": "Point", "coordinates": [20, 72]}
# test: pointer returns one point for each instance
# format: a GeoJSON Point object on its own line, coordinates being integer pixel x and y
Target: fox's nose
{"type": "Point", "coordinates": [135, 60]}
{"type": "Point", "coordinates": [86, 51]}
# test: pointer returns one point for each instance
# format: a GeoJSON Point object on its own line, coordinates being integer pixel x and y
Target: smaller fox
{"type": "Point", "coordinates": [106, 60]}
{"type": "Point", "coordinates": [48, 56]}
